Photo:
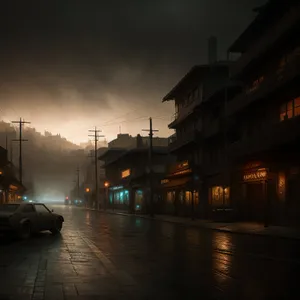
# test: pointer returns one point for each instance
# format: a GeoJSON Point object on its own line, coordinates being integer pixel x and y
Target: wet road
{"type": "Point", "coordinates": [102, 256]}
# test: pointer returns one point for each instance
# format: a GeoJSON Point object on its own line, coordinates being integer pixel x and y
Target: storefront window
{"type": "Point", "coordinates": [196, 198]}
{"type": "Point", "coordinates": [219, 196]}
{"type": "Point", "coordinates": [188, 198]}
{"type": "Point", "coordinates": [171, 197]}
{"type": "Point", "coordinates": [281, 186]}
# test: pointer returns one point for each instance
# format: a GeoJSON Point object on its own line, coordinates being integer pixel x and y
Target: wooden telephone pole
{"type": "Point", "coordinates": [96, 136]}
{"type": "Point", "coordinates": [20, 140]}
{"type": "Point", "coordinates": [151, 130]}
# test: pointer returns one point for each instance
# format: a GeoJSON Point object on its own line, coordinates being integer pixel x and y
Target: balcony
{"type": "Point", "coordinates": [280, 134]}
{"type": "Point", "coordinates": [183, 113]}
{"type": "Point", "coordinates": [268, 40]}
{"type": "Point", "coordinates": [270, 84]}
{"type": "Point", "coordinates": [176, 143]}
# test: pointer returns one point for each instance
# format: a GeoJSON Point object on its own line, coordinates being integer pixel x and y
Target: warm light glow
{"type": "Point", "coordinates": [218, 194]}
{"type": "Point", "coordinates": [87, 190]}
{"type": "Point", "coordinates": [281, 186]}
{"type": "Point", "coordinates": [106, 184]}
{"type": "Point", "coordinates": [1, 172]}
{"type": "Point", "coordinates": [183, 172]}
{"type": "Point", "coordinates": [258, 175]}
{"type": "Point", "coordinates": [126, 173]}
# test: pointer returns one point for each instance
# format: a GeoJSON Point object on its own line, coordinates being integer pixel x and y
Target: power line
{"type": "Point", "coordinates": [96, 135]}
{"type": "Point", "coordinates": [20, 140]}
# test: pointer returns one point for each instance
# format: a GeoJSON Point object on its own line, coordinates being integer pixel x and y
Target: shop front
{"type": "Point", "coordinates": [260, 191]}
{"type": "Point", "coordinates": [180, 191]}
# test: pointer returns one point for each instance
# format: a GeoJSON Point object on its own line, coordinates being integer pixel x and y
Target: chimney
{"type": "Point", "coordinates": [212, 50]}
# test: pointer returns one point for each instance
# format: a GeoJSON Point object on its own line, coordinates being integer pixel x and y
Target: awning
{"type": "Point", "coordinates": [178, 182]}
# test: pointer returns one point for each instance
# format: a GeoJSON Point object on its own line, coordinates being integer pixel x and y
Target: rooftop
{"type": "Point", "coordinates": [267, 15]}
{"type": "Point", "coordinates": [196, 73]}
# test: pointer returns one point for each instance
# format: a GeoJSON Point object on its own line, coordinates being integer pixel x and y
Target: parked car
{"type": "Point", "coordinates": [24, 219]}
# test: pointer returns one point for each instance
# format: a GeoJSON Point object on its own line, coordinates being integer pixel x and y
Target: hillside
{"type": "Point", "coordinates": [49, 161]}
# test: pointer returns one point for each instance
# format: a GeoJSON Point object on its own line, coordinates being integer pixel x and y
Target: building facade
{"type": "Point", "coordinates": [184, 192]}
{"type": "Point", "coordinates": [264, 133]}
{"type": "Point", "coordinates": [128, 178]}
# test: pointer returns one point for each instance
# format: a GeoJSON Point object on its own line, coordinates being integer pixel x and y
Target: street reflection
{"type": "Point", "coordinates": [222, 258]}
{"type": "Point", "coordinates": [88, 217]}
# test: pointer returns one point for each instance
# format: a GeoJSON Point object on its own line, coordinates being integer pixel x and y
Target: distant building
{"type": "Point", "coordinates": [127, 174]}
{"type": "Point", "coordinates": [127, 141]}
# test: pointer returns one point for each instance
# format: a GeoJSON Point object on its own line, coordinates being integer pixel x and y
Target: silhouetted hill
{"type": "Point", "coordinates": [49, 161]}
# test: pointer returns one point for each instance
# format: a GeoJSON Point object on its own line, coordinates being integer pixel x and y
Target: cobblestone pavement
{"type": "Point", "coordinates": [101, 256]}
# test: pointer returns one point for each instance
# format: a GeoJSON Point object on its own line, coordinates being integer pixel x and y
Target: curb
{"type": "Point", "coordinates": [253, 233]}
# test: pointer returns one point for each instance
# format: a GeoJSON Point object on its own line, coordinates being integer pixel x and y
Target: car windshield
{"type": "Point", "coordinates": [9, 207]}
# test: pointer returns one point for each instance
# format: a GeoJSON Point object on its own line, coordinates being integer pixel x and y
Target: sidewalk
{"type": "Point", "coordinates": [237, 227]}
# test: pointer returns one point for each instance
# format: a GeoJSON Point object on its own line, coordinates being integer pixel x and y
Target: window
{"type": "Point", "coordinates": [171, 197]}
{"type": "Point", "coordinates": [28, 208]}
{"type": "Point", "coordinates": [217, 196]}
{"type": "Point", "coordinates": [290, 109]}
{"type": "Point", "coordinates": [40, 208]}
{"type": "Point", "coordinates": [297, 107]}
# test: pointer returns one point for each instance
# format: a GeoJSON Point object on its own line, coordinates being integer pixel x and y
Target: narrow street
{"type": "Point", "coordinates": [101, 256]}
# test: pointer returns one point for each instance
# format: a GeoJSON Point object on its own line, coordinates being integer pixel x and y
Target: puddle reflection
{"type": "Point", "coordinates": [222, 258]}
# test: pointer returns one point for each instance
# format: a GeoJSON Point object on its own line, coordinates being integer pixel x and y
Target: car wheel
{"type": "Point", "coordinates": [25, 231]}
{"type": "Point", "coordinates": [57, 226]}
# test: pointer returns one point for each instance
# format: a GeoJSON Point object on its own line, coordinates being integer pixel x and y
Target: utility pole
{"type": "Point", "coordinates": [151, 130]}
{"type": "Point", "coordinates": [20, 140]}
{"type": "Point", "coordinates": [96, 135]}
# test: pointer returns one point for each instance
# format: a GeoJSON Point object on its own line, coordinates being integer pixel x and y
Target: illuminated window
{"type": "Point", "coordinates": [290, 109]}
{"type": "Point", "coordinates": [281, 186]}
{"type": "Point", "coordinates": [188, 198]}
{"type": "Point", "coordinates": [219, 196]}
{"type": "Point", "coordinates": [297, 107]}
{"type": "Point", "coordinates": [171, 197]}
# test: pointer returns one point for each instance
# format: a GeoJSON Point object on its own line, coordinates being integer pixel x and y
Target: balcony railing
{"type": "Point", "coordinates": [265, 43]}
{"type": "Point", "coordinates": [282, 133]}
{"type": "Point", "coordinates": [188, 137]}
{"type": "Point", "coordinates": [271, 83]}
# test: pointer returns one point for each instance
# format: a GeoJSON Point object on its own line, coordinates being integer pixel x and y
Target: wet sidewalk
{"type": "Point", "coordinates": [236, 227]}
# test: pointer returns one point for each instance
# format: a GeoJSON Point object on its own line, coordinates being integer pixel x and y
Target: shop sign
{"type": "Point", "coordinates": [257, 175]}
{"type": "Point", "coordinates": [126, 173]}
{"type": "Point", "coordinates": [183, 172]}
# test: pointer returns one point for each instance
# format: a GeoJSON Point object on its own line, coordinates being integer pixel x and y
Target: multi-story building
{"type": "Point", "coordinates": [215, 171]}
{"type": "Point", "coordinates": [183, 184]}
{"type": "Point", "coordinates": [265, 117]}
{"type": "Point", "coordinates": [127, 175]}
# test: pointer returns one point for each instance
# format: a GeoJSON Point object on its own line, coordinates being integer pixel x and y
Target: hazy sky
{"type": "Point", "coordinates": [69, 65]}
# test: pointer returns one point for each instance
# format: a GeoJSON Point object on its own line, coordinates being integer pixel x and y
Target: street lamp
{"type": "Point", "coordinates": [106, 184]}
